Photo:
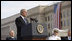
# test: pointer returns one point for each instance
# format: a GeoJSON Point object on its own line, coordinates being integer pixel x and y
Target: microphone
{"type": "Point", "coordinates": [34, 19]}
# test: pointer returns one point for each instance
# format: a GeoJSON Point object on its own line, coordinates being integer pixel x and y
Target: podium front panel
{"type": "Point", "coordinates": [39, 30]}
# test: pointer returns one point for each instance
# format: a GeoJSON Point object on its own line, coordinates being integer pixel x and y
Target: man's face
{"type": "Point", "coordinates": [56, 33]}
{"type": "Point", "coordinates": [69, 33]}
{"type": "Point", "coordinates": [12, 33]}
{"type": "Point", "coordinates": [24, 13]}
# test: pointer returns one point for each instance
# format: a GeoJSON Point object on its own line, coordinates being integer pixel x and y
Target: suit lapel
{"type": "Point", "coordinates": [22, 20]}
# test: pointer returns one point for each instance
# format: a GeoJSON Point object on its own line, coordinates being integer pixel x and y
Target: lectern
{"type": "Point", "coordinates": [34, 31]}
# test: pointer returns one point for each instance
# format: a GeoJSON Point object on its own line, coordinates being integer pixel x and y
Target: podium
{"type": "Point", "coordinates": [34, 31]}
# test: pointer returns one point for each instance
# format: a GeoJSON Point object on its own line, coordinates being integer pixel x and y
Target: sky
{"type": "Point", "coordinates": [9, 8]}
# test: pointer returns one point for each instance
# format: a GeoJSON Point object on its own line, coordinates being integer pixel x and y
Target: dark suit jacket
{"type": "Point", "coordinates": [9, 38]}
{"type": "Point", "coordinates": [20, 23]}
{"type": "Point", "coordinates": [64, 38]}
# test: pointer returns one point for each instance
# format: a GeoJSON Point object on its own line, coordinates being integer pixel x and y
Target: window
{"type": "Point", "coordinates": [61, 24]}
{"type": "Point", "coordinates": [48, 26]}
{"type": "Point", "coordinates": [48, 18]}
{"type": "Point", "coordinates": [51, 25]}
{"type": "Point", "coordinates": [68, 22]}
{"type": "Point", "coordinates": [64, 23]}
{"type": "Point", "coordinates": [51, 17]}
{"type": "Point", "coordinates": [66, 13]}
{"type": "Point", "coordinates": [69, 12]}
{"type": "Point", "coordinates": [63, 14]}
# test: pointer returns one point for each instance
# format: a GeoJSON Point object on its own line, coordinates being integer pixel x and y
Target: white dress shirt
{"type": "Point", "coordinates": [53, 37]}
{"type": "Point", "coordinates": [12, 37]}
{"type": "Point", "coordinates": [23, 19]}
{"type": "Point", "coordinates": [69, 38]}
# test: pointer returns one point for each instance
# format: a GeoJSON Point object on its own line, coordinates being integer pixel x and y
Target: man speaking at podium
{"type": "Point", "coordinates": [21, 22]}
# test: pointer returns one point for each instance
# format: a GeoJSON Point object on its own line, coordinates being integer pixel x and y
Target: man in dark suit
{"type": "Point", "coordinates": [11, 33]}
{"type": "Point", "coordinates": [21, 22]}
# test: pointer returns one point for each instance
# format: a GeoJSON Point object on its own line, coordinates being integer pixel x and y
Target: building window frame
{"type": "Point", "coordinates": [48, 18]}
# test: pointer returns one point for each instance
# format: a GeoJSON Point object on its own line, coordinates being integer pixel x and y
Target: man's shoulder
{"type": "Point", "coordinates": [7, 38]}
{"type": "Point", "coordinates": [51, 36]}
{"type": "Point", "coordinates": [18, 18]}
{"type": "Point", "coordinates": [58, 38]}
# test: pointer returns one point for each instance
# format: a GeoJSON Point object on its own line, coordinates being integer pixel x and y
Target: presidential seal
{"type": "Point", "coordinates": [40, 29]}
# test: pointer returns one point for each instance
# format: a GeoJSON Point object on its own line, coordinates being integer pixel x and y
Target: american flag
{"type": "Point", "coordinates": [57, 12]}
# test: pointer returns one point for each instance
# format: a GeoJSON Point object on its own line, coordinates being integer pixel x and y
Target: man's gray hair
{"type": "Point", "coordinates": [22, 10]}
{"type": "Point", "coordinates": [55, 30]}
